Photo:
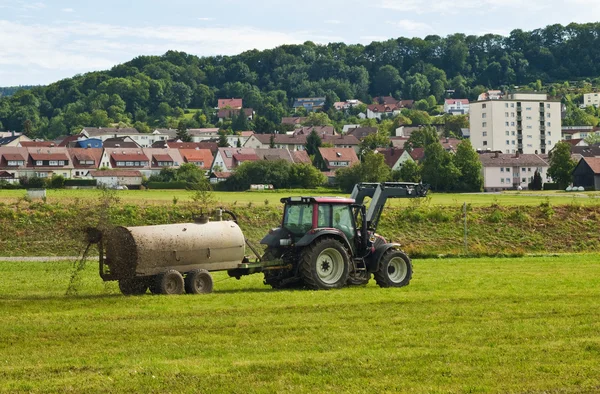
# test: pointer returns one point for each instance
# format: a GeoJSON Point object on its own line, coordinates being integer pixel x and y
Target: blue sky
{"type": "Point", "coordinates": [46, 40]}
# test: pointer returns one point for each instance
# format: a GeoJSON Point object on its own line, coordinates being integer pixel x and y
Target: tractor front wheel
{"type": "Point", "coordinates": [324, 265]}
{"type": "Point", "coordinates": [395, 269]}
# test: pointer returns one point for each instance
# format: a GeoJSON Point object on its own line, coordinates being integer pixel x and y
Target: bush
{"type": "Point", "coordinates": [56, 182]}
{"type": "Point", "coordinates": [551, 186]}
{"type": "Point", "coordinates": [169, 185]}
{"type": "Point", "coordinates": [10, 186]}
{"type": "Point", "coordinates": [33, 182]}
{"type": "Point", "coordinates": [81, 182]}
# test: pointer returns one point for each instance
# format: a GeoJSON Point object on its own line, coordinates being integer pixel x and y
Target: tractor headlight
{"type": "Point", "coordinates": [285, 242]}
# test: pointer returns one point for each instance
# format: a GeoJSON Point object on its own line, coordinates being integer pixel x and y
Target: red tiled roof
{"type": "Point", "coordinates": [13, 156]}
{"type": "Point", "coordinates": [221, 174]}
{"type": "Point", "coordinates": [6, 175]}
{"type": "Point", "coordinates": [301, 156]}
{"type": "Point", "coordinates": [383, 107]}
{"type": "Point", "coordinates": [230, 113]}
{"type": "Point", "coordinates": [245, 157]}
{"type": "Point", "coordinates": [48, 156]}
{"type": "Point", "coordinates": [37, 144]}
{"type": "Point", "coordinates": [454, 101]}
{"type": "Point", "coordinates": [417, 153]}
{"type": "Point", "coordinates": [118, 173]}
{"type": "Point", "coordinates": [293, 120]}
{"type": "Point", "coordinates": [85, 154]}
{"type": "Point", "coordinates": [197, 156]}
{"type": "Point", "coordinates": [391, 155]}
{"type": "Point", "coordinates": [339, 154]}
{"type": "Point", "coordinates": [232, 102]}
{"type": "Point", "coordinates": [164, 157]}
{"type": "Point", "coordinates": [129, 156]}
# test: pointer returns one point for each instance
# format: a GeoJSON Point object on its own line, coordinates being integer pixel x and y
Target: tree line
{"type": "Point", "coordinates": [151, 91]}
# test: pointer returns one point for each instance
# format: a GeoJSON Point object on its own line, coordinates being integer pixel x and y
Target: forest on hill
{"type": "Point", "coordinates": [10, 90]}
{"type": "Point", "coordinates": [156, 91]}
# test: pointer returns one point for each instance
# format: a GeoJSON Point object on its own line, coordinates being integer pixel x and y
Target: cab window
{"type": "Point", "coordinates": [298, 218]}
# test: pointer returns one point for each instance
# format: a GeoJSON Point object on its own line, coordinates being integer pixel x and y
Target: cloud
{"type": "Point", "coordinates": [413, 27]}
{"type": "Point", "coordinates": [80, 47]}
{"type": "Point", "coordinates": [455, 7]}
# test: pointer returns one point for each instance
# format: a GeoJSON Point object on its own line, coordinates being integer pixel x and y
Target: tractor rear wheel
{"type": "Point", "coordinates": [324, 264]}
{"type": "Point", "coordinates": [395, 269]}
{"type": "Point", "coordinates": [133, 286]}
{"type": "Point", "coordinates": [169, 282]}
{"type": "Point", "coordinates": [198, 282]}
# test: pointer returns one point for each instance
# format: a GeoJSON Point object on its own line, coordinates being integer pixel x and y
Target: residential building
{"type": "Point", "coordinates": [377, 111]}
{"type": "Point", "coordinates": [362, 132]}
{"type": "Point", "coordinates": [348, 127]}
{"type": "Point", "coordinates": [84, 160]}
{"type": "Point", "coordinates": [227, 159]}
{"type": "Point", "coordinates": [202, 158]}
{"type": "Point", "coordinates": [8, 177]}
{"type": "Point", "coordinates": [587, 173]}
{"type": "Point", "coordinates": [46, 162]}
{"type": "Point", "coordinates": [329, 160]}
{"type": "Point", "coordinates": [13, 160]}
{"type": "Point", "coordinates": [395, 158]}
{"type": "Point", "coordinates": [211, 146]}
{"type": "Point", "coordinates": [13, 140]}
{"type": "Point", "coordinates": [578, 132]}
{"type": "Point", "coordinates": [590, 99]}
{"type": "Point", "coordinates": [294, 121]}
{"type": "Point", "coordinates": [345, 105]}
{"type": "Point", "coordinates": [120, 142]}
{"type": "Point", "coordinates": [113, 178]}
{"type": "Point", "coordinates": [522, 122]}
{"type": "Point", "coordinates": [37, 144]}
{"type": "Point", "coordinates": [456, 106]}
{"type": "Point", "coordinates": [320, 130]}
{"type": "Point", "coordinates": [511, 171]}
{"type": "Point", "coordinates": [309, 103]}
{"type": "Point", "coordinates": [576, 142]}
{"type": "Point", "coordinates": [103, 133]}
{"type": "Point", "coordinates": [290, 142]}
{"type": "Point", "coordinates": [232, 103]}
{"type": "Point", "coordinates": [224, 114]}
{"type": "Point", "coordinates": [577, 152]}
{"type": "Point", "coordinates": [490, 95]}
{"type": "Point", "coordinates": [206, 134]}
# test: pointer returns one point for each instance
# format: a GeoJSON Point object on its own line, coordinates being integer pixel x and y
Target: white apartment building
{"type": "Point", "coordinates": [521, 122]}
{"type": "Point", "coordinates": [590, 99]}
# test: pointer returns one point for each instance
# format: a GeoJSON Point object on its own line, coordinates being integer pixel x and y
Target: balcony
{"type": "Point", "coordinates": [543, 137]}
{"type": "Point", "coordinates": [542, 128]}
{"type": "Point", "coordinates": [519, 118]}
{"type": "Point", "coordinates": [519, 128]}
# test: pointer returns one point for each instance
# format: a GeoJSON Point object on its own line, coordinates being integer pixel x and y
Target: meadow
{"type": "Point", "coordinates": [462, 325]}
{"type": "Point", "coordinates": [273, 197]}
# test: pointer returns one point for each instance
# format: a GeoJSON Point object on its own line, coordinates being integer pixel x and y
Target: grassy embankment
{"type": "Point", "coordinates": [422, 226]}
{"type": "Point", "coordinates": [478, 325]}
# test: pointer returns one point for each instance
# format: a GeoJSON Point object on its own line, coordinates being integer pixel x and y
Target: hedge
{"type": "Point", "coordinates": [80, 182]}
{"type": "Point", "coordinates": [168, 185]}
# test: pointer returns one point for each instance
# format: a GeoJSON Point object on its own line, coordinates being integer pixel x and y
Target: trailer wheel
{"type": "Point", "coordinates": [395, 269]}
{"type": "Point", "coordinates": [198, 281]}
{"type": "Point", "coordinates": [324, 264]}
{"type": "Point", "coordinates": [169, 282]}
{"type": "Point", "coordinates": [133, 286]}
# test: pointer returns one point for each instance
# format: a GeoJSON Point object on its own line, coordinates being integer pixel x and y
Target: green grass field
{"type": "Point", "coordinates": [273, 197]}
{"type": "Point", "coordinates": [479, 325]}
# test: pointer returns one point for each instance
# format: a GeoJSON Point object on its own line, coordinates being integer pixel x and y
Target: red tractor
{"type": "Point", "coordinates": [330, 242]}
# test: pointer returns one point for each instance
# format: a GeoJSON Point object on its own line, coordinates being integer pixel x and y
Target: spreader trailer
{"type": "Point", "coordinates": [322, 243]}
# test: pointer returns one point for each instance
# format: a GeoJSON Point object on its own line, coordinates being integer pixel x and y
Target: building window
{"type": "Point", "coordinates": [501, 180]}
{"type": "Point", "coordinates": [529, 136]}
{"type": "Point", "coordinates": [484, 115]}
{"type": "Point", "coordinates": [485, 133]}
{"type": "Point", "coordinates": [39, 163]}
{"type": "Point", "coordinates": [547, 114]}
{"type": "Point", "coordinates": [507, 133]}
{"type": "Point", "coordinates": [512, 123]}
{"type": "Point", "coordinates": [501, 169]}
{"type": "Point", "coordinates": [484, 143]}
{"type": "Point", "coordinates": [548, 124]}
{"type": "Point", "coordinates": [523, 169]}
{"type": "Point", "coordinates": [483, 106]}
{"type": "Point", "coordinates": [549, 133]}
{"type": "Point", "coordinates": [507, 123]}
{"type": "Point", "coordinates": [529, 169]}
{"type": "Point", "coordinates": [528, 109]}
{"type": "Point", "coordinates": [547, 105]}
{"type": "Point", "coordinates": [507, 180]}
{"type": "Point", "coordinates": [53, 163]}
{"type": "Point", "coordinates": [507, 169]}
{"type": "Point", "coordinates": [529, 146]}
{"type": "Point", "coordinates": [529, 127]}
{"type": "Point", "coordinates": [512, 114]}
{"type": "Point", "coordinates": [506, 105]}
{"type": "Point", "coordinates": [513, 142]}
{"type": "Point", "coordinates": [549, 142]}
{"type": "Point", "coordinates": [513, 132]}
{"type": "Point", "coordinates": [528, 118]}
{"type": "Point", "coordinates": [506, 114]}
{"type": "Point", "coordinates": [507, 142]}
{"type": "Point", "coordinates": [523, 180]}
{"type": "Point", "coordinates": [483, 124]}
{"type": "Point", "coordinates": [512, 105]}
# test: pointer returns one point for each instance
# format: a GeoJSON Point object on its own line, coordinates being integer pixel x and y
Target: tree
{"type": "Point", "coordinates": [28, 128]}
{"type": "Point", "coordinates": [561, 165]}
{"type": "Point", "coordinates": [189, 172]}
{"type": "Point", "coordinates": [387, 80]}
{"type": "Point", "coordinates": [272, 141]}
{"type": "Point", "coordinates": [454, 124]}
{"type": "Point", "coordinates": [374, 141]}
{"type": "Point", "coordinates": [372, 169]}
{"type": "Point", "coordinates": [240, 122]}
{"type": "Point", "coordinates": [223, 143]}
{"type": "Point", "coordinates": [238, 144]}
{"type": "Point", "coordinates": [592, 139]}
{"type": "Point", "coordinates": [410, 172]}
{"type": "Point", "coordinates": [182, 132]}
{"type": "Point", "coordinates": [313, 143]}
{"type": "Point", "coordinates": [536, 183]}
{"type": "Point", "coordinates": [468, 163]}
{"type": "Point", "coordinates": [422, 137]}
{"type": "Point", "coordinates": [439, 169]}
{"type": "Point", "coordinates": [263, 126]}
{"type": "Point", "coordinates": [306, 176]}
{"type": "Point", "coordinates": [317, 119]}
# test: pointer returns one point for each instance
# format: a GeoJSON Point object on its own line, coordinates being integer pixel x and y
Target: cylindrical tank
{"type": "Point", "coordinates": [150, 250]}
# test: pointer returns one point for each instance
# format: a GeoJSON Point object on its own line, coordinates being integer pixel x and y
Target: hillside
{"type": "Point", "coordinates": [151, 91]}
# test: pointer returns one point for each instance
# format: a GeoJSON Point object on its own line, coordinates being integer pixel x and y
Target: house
{"type": "Point", "coordinates": [577, 152]}
{"type": "Point", "coordinates": [84, 161]}
{"type": "Point", "coordinates": [232, 103]}
{"type": "Point", "coordinates": [113, 178]}
{"type": "Point", "coordinates": [211, 146]}
{"type": "Point", "coordinates": [8, 177]}
{"type": "Point", "coordinates": [587, 173]}
{"type": "Point", "coordinates": [241, 136]}
{"type": "Point", "coordinates": [219, 176]}
{"type": "Point", "coordinates": [301, 156]}
{"type": "Point", "coordinates": [406, 131]}
{"type": "Point", "coordinates": [37, 144]}
{"type": "Point", "coordinates": [13, 160]}
{"type": "Point", "coordinates": [199, 135]}
{"type": "Point", "coordinates": [290, 142]}
{"type": "Point", "coordinates": [395, 158]}
{"type": "Point", "coordinates": [202, 158]}
{"type": "Point", "coordinates": [417, 154]}
{"type": "Point", "coordinates": [142, 139]}
{"type": "Point", "coordinates": [309, 103]}
{"type": "Point", "coordinates": [490, 95]}
{"type": "Point", "coordinates": [120, 142]}
{"type": "Point", "coordinates": [224, 114]}
{"type": "Point", "coordinates": [125, 158]}
{"type": "Point", "coordinates": [345, 105]}
{"type": "Point", "coordinates": [348, 127]}
{"type": "Point", "coordinates": [590, 99]}
{"type": "Point", "coordinates": [228, 159]}
{"type": "Point", "coordinates": [320, 130]}
{"type": "Point", "coordinates": [511, 171]}
{"type": "Point", "coordinates": [46, 162]}
{"type": "Point", "coordinates": [162, 158]}
{"type": "Point", "coordinates": [450, 144]}
{"type": "Point", "coordinates": [294, 121]}
{"type": "Point", "coordinates": [377, 111]}
{"type": "Point", "coordinates": [398, 142]}
{"type": "Point", "coordinates": [576, 142]}
{"type": "Point", "coordinates": [331, 159]}
{"type": "Point", "coordinates": [456, 106]}
{"type": "Point", "coordinates": [362, 132]}
{"type": "Point", "coordinates": [14, 140]}
{"type": "Point", "coordinates": [578, 132]}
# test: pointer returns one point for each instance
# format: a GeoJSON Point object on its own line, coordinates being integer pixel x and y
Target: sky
{"type": "Point", "coordinates": [42, 41]}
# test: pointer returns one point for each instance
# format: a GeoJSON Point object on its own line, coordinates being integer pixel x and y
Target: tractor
{"type": "Point", "coordinates": [330, 242]}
